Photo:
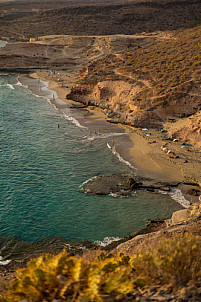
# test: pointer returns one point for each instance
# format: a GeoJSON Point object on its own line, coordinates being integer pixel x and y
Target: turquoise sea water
{"type": "Point", "coordinates": [42, 168]}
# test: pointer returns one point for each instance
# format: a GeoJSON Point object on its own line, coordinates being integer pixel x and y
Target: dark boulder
{"type": "Point", "coordinates": [193, 192]}
{"type": "Point", "coordinates": [112, 184]}
{"type": "Point", "coordinates": [124, 185]}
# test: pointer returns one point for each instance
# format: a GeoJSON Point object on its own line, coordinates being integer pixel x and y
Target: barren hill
{"type": "Point", "coordinates": [22, 20]}
{"type": "Point", "coordinates": [150, 80]}
{"type": "Point", "coordinates": [156, 85]}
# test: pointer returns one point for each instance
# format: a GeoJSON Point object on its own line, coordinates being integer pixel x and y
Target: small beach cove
{"type": "Point", "coordinates": [141, 151]}
{"type": "Point", "coordinates": [100, 151]}
{"type": "Point", "coordinates": [47, 171]}
{"type": "Point", "coordinates": [82, 140]}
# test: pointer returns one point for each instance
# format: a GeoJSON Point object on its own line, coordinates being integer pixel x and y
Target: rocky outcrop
{"type": "Point", "coordinates": [181, 222]}
{"type": "Point", "coordinates": [124, 185]}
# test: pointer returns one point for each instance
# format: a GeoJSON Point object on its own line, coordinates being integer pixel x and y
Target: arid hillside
{"type": "Point", "coordinates": [157, 86]}
{"type": "Point", "coordinates": [22, 20]}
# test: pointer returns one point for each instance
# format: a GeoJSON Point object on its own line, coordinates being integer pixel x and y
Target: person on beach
{"type": "Point", "coordinates": [58, 125]}
{"type": "Point", "coordinates": [99, 131]}
{"type": "Point", "coordinates": [53, 98]}
{"type": "Point", "coordinates": [95, 132]}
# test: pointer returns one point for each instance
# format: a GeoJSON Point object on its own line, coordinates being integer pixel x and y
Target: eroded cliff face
{"type": "Point", "coordinates": [117, 98]}
{"type": "Point", "coordinates": [155, 86]}
{"type": "Point", "coordinates": [146, 80]}
{"type": "Point", "coordinates": [179, 115]}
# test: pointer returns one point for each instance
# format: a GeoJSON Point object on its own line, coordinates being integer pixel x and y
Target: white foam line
{"type": "Point", "coordinates": [45, 98]}
{"type": "Point", "coordinates": [8, 85]}
{"type": "Point", "coordinates": [19, 83]}
{"type": "Point", "coordinates": [11, 86]}
{"type": "Point", "coordinates": [113, 195]}
{"type": "Point", "coordinates": [177, 195]}
{"type": "Point", "coordinates": [54, 106]}
{"type": "Point", "coordinates": [74, 121]}
{"type": "Point", "coordinates": [106, 241]}
{"type": "Point", "coordinates": [113, 150]}
{"type": "Point", "coordinates": [40, 96]}
{"type": "Point", "coordinates": [88, 180]}
{"type": "Point", "coordinates": [103, 136]}
{"type": "Point", "coordinates": [4, 262]}
{"type": "Point", "coordinates": [122, 196]}
{"type": "Point", "coordinates": [110, 134]}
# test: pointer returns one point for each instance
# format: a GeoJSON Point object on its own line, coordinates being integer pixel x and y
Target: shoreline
{"type": "Point", "coordinates": [140, 153]}
{"type": "Point", "coordinates": [139, 159]}
{"type": "Point", "coordinates": [133, 154]}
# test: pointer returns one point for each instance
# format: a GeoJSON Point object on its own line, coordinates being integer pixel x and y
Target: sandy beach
{"type": "Point", "coordinates": [149, 149]}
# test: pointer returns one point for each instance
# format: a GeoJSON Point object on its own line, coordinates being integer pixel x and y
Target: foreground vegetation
{"type": "Point", "coordinates": [174, 261]}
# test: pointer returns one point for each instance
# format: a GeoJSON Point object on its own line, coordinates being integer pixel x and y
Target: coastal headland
{"type": "Point", "coordinates": [147, 83]}
{"type": "Point", "coordinates": [93, 73]}
{"type": "Point", "coordinates": [97, 73]}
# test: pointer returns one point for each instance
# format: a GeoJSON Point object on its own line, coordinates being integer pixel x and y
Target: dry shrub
{"type": "Point", "coordinates": [90, 279]}
{"type": "Point", "coordinates": [175, 260]}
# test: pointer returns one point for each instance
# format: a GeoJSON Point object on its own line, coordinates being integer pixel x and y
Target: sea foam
{"type": "Point", "coordinates": [4, 262]}
{"type": "Point", "coordinates": [113, 150]}
{"type": "Point", "coordinates": [88, 180]}
{"type": "Point", "coordinates": [8, 85]}
{"type": "Point", "coordinates": [177, 195]}
{"type": "Point", "coordinates": [103, 136]}
{"type": "Point", "coordinates": [74, 121]}
{"type": "Point", "coordinates": [106, 241]}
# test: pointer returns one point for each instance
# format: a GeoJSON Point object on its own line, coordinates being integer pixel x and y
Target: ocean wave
{"type": "Point", "coordinates": [8, 85]}
{"type": "Point", "coordinates": [45, 98]}
{"type": "Point", "coordinates": [177, 195]}
{"type": "Point", "coordinates": [88, 180]}
{"type": "Point", "coordinates": [41, 97]}
{"type": "Point", "coordinates": [74, 121]}
{"type": "Point", "coordinates": [103, 136]}
{"type": "Point", "coordinates": [54, 106]}
{"type": "Point", "coordinates": [4, 262]}
{"type": "Point", "coordinates": [106, 241]}
{"type": "Point", "coordinates": [113, 150]}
